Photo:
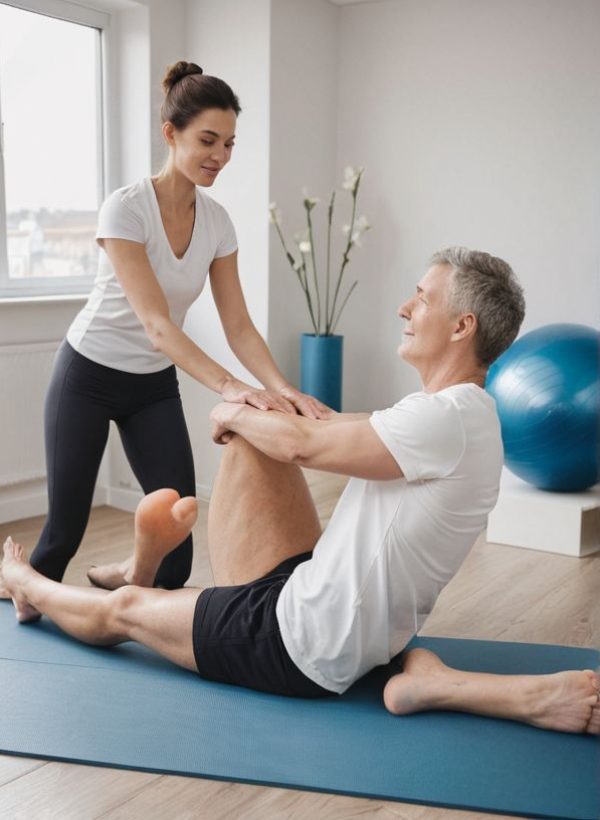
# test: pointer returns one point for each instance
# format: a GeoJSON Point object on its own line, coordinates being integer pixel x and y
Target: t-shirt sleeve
{"type": "Point", "coordinates": [119, 220]}
{"type": "Point", "coordinates": [227, 240]}
{"type": "Point", "coordinates": [424, 433]}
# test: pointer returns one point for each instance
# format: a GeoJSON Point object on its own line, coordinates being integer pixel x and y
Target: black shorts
{"type": "Point", "coordinates": [236, 636]}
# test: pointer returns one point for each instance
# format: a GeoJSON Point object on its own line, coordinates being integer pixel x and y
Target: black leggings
{"type": "Point", "coordinates": [82, 398]}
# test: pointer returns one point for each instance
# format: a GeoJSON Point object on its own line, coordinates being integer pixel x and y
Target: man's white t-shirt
{"type": "Point", "coordinates": [107, 330]}
{"type": "Point", "coordinates": [392, 546]}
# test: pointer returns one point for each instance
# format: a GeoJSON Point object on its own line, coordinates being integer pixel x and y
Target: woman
{"type": "Point", "coordinates": [160, 238]}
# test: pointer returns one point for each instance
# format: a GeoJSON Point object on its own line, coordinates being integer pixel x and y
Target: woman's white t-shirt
{"type": "Point", "coordinates": [107, 330]}
{"type": "Point", "coordinates": [392, 546]}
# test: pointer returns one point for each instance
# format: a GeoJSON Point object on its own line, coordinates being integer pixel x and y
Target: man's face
{"type": "Point", "coordinates": [429, 323]}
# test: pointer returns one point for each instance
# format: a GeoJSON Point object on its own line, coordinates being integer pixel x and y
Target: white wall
{"type": "Point", "coordinates": [478, 124]}
{"type": "Point", "coordinates": [303, 92]}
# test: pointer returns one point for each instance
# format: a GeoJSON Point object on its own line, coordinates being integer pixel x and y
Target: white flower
{"type": "Point", "coordinates": [360, 226]}
{"type": "Point", "coordinates": [309, 201]}
{"type": "Point", "coordinates": [304, 246]}
{"type": "Point", "coordinates": [351, 177]}
{"type": "Point", "coordinates": [297, 266]}
{"type": "Point", "coordinates": [274, 214]}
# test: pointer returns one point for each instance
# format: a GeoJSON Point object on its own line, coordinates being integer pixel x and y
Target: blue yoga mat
{"type": "Point", "coordinates": [127, 707]}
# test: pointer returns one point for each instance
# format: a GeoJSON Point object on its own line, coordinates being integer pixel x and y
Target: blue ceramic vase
{"type": "Point", "coordinates": [321, 368]}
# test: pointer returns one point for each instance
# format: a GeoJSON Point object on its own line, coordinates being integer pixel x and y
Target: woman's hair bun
{"type": "Point", "coordinates": [177, 72]}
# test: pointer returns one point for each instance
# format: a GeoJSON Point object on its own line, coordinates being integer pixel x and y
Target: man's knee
{"type": "Point", "coordinates": [240, 447]}
{"type": "Point", "coordinates": [242, 454]}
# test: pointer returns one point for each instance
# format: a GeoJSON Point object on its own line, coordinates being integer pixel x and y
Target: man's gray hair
{"type": "Point", "coordinates": [487, 287]}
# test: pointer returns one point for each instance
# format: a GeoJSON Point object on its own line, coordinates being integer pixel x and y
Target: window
{"type": "Point", "coordinates": [51, 166]}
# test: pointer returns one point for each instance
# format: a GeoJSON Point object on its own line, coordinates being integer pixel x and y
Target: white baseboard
{"type": "Point", "coordinates": [123, 499]}
{"type": "Point", "coordinates": [127, 498]}
{"type": "Point", "coordinates": [203, 492]}
{"type": "Point", "coordinates": [29, 499]}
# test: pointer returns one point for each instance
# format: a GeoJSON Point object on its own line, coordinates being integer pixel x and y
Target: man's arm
{"type": "Point", "coordinates": [352, 448]}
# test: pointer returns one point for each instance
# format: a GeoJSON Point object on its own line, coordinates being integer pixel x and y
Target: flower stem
{"type": "Point", "coordinates": [343, 306]}
{"type": "Point", "coordinates": [346, 256]}
{"type": "Point", "coordinates": [306, 289]}
{"type": "Point", "coordinates": [314, 268]}
{"type": "Point", "coordinates": [329, 223]}
{"type": "Point", "coordinates": [303, 282]}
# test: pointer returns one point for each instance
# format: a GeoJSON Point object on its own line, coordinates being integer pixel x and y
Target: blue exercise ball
{"type": "Point", "coordinates": [547, 392]}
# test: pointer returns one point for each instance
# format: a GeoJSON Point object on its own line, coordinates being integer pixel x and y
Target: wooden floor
{"type": "Point", "coordinates": [500, 593]}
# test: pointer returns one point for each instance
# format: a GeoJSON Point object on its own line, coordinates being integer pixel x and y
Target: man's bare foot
{"type": "Point", "coordinates": [4, 593]}
{"type": "Point", "coordinates": [593, 727]}
{"type": "Point", "coordinates": [15, 567]}
{"type": "Point", "coordinates": [563, 701]}
{"type": "Point", "coordinates": [162, 521]}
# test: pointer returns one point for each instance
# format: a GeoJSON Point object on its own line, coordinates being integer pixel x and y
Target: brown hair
{"type": "Point", "coordinates": [188, 92]}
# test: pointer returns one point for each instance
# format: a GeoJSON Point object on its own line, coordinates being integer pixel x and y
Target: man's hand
{"type": "Point", "coordinates": [221, 415]}
{"type": "Point", "coordinates": [306, 405]}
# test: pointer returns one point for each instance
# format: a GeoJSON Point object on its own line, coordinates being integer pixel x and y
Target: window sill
{"type": "Point", "coordinates": [56, 298]}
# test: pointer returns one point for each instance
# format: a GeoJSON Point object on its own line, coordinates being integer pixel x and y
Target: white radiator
{"type": "Point", "coordinates": [24, 375]}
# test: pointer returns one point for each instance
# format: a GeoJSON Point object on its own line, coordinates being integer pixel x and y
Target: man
{"type": "Point", "coordinates": [300, 613]}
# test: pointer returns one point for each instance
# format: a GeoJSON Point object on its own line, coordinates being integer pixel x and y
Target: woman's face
{"type": "Point", "coordinates": [203, 148]}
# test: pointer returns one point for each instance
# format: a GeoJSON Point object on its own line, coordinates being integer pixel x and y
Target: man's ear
{"type": "Point", "coordinates": [465, 327]}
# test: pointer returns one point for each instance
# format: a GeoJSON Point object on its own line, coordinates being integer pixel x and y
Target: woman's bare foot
{"type": "Point", "coordinates": [563, 701]}
{"type": "Point", "coordinates": [111, 576]}
{"type": "Point", "coordinates": [162, 521]}
{"type": "Point", "coordinates": [15, 567]}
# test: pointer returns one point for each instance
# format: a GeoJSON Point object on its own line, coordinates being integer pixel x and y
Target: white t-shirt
{"type": "Point", "coordinates": [392, 546]}
{"type": "Point", "coordinates": [107, 329]}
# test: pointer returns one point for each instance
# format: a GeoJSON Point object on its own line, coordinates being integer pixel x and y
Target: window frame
{"type": "Point", "coordinates": [55, 286]}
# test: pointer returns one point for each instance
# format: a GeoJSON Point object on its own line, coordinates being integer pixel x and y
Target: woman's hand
{"type": "Point", "coordinates": [238, 392]}
{"type": "Point", "coordinates": [306, 405]}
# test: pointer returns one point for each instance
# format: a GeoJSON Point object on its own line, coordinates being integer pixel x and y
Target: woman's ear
{"type": "Point", "coordinates": [168, 130]}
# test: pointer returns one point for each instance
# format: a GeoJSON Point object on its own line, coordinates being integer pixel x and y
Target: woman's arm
{"type": "Point", "coordinates": [247, 343]}
{"type": "Point", "coordinates": [146, 297]}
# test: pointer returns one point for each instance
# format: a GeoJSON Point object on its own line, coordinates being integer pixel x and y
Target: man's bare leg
{"type": "Point", "coordinates": [261, 512]}
{"type": "Point", "coordinates": [162, 521]}
{"type": "Point", "coordinates": [564, 701]}
{"type": "Point", "coordinates": [160, 619]}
